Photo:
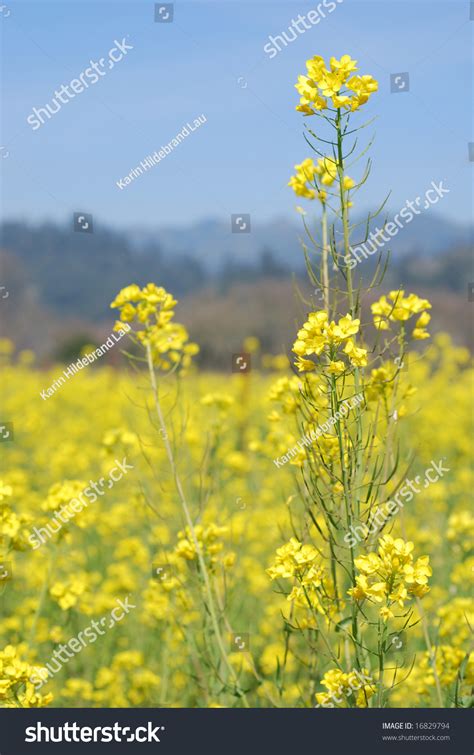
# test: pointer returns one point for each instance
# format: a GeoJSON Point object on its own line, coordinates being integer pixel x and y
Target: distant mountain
{"type": "Point", "coordinates": [213, 244]}
{"type": "Point", "coordinates": [77, 274]}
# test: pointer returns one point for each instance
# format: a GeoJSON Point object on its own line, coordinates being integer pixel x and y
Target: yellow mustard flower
{"type": "Point", "coordinates": [334, 86]}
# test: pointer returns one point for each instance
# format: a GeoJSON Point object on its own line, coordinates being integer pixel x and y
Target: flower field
{"type": "Point", "coordinates": [164, 652]}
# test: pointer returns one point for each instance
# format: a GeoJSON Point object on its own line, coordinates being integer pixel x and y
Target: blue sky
{"type": "Point", "coordinates": [210, 60]}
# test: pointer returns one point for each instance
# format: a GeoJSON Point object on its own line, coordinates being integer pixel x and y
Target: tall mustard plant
{"type": "Point", "coordinates": [348, 595]}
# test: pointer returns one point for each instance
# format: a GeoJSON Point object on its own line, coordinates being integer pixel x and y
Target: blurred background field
{"type": "Point", "coordinates": [230, 286]}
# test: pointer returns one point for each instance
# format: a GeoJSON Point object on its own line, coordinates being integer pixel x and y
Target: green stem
{"type": "Point", "coordinates": [381, 652]}
{"type": "Point", "coordinates": [325, 271]}
{"type": "Point", "coordinates": [189, 522]}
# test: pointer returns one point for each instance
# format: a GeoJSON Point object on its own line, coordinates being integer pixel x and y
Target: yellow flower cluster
{"type": "Point", "coordinates": [307, 174]}
{"type": "Point", "coordinates": [294, 560]}
{"type": "Point", "coordinates": [153, 307]}
{"type": "Point", "coordinates": [391, 576]}
{"type": "Point", "coordinates": [62, 493]}
{"type": "Point", "coordinates": [13, 531]}
{"type": "Point", "coordinates": [456, 619]}
{"type": "Point", "coordinates": [16, 691]}
{"type": "Point", "coordinates": [400, 309]}
{"type": "Point", "coordinates": [287, 393]}
{"type": "Point", "coordinates": [127, 682]}
{"type": "Point", "coordinates": [346, 690]}
{"type": "Point", "coordinates": [299, 561]}
{"type": "Point", "coordinates": [448, 661]}
{"type": "Point", "coordinates": [67, 594]}
{"type": "Point", "coordinates": [274, 362]}
{"type": "Point", "coordinates": [318, 335]}
{"type": "Point", "coordinates": [451, 668]}
{"type": "Point", "coordinates": [337, 86]}
{"type": "Point", "coordinates": [461, 529]}
{"type": "Point", "coordinates": [119, 439]}
{"type": "Point", "coordinates": [382, 386]}
{"type": "Point", "coordinates": [221, 401]}
{"type": "Point", "coordinates": [209, 542]}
